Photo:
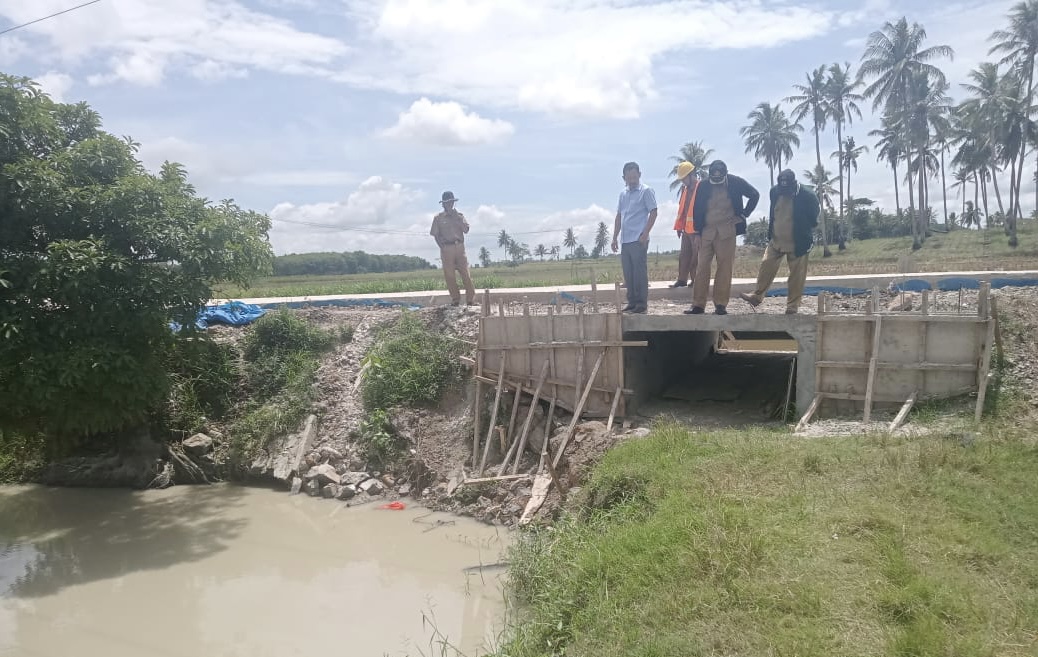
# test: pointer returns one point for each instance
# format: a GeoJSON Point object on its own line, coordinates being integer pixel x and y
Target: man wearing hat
{"type": "Point", "coordinates": [719, 215]}
{"type": "Point", "coordinates": [635, 215]}
{"type": "Point", "coordinates": [689, 257]}
{"type": "Point", "coordinates": [791, 231]}
{"type": "Point", "coordinates": [448, 229]}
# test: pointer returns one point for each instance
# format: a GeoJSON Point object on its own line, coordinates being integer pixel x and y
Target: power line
{"type": "Point", "coordinates": [65, 11]}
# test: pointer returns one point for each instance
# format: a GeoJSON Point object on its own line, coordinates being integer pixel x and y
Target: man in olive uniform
{"type": "Point", "coordinates": [448, 229]}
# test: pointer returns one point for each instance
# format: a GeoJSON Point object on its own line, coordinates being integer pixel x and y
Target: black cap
{"type": "Point", "coordinates": [631, 166]}
{"type": "Point", "coordinates": [787, 174]}
{"type": "Point", "coordinates": [720, 166]}
{"type": "Point", "coordinates": [447, 197]}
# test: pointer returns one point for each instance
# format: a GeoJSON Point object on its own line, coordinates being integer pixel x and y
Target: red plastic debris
{"type": "Point", "coordinates": [394, 506]}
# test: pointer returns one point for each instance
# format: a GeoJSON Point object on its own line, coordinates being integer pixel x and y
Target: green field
{"type": "Point", "coordinates": [958, 250]}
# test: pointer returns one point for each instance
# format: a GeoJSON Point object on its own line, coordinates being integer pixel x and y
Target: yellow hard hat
{"type": "Point", "coordinates": [685, 168]}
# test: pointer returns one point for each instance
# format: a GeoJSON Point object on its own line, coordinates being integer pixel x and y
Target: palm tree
{"type": "Point", "coordinates": [601, 238]}
{"type": "Point", "coordinates": [771, 136]}
{"type": "Point", "coordinates": [540, 252]}
{"type": "Point", "coordinates": [1019, 47]}
{"type": "Point", "coordinates": [891, 149]}
{"type": "Point", "coordinates": [893, 58]}
{"type": "Point", "coordinates": [927, 113]}
{"type": "Point", "coordinates": [851, 152]}
{"type": "Point", "coordinates": [484, 257]}
{"type": "Point", "coordinates": [811, 99]}
{"type": "Point", "coordinates": [693, 152]}
{"type": "Point", "coordinates": [555, 252]}
{"type": "Point", "coordinates": [822, 181]}
{"type": "Point", "coordinates": [504, 240]}
{"type": "Point", "coordinates": [569, 240]}
{"type": "Point", "coordinates": [842, 101]}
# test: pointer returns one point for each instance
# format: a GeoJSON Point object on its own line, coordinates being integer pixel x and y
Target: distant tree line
{"type": "Point", "coordinates": [351, 262]}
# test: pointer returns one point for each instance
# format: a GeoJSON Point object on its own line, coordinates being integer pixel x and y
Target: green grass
{"type": "Point", "coordinates": [737, 543]}
{"type": "Point", "coordinates": [958, 250]}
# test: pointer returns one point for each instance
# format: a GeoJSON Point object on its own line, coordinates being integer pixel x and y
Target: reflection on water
{"type": "Point", "coordinates": [232, 571]}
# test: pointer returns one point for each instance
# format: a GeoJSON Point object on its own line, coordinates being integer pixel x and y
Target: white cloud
{"type": "Point", "coordinates": [55, 84]}
{"type": "Point", "coordinates": [299, 178]}
{"type": "Point", "coordinates": [447, 124]}
{"type": "Point", "coordinates": [12, 49]}
{"type": "Point", "coordinates": [583, 58]}
{"type": "Point", "coordinates": [373, 203]}
{"type": "Point", "coordinates": [143, 41]}
{"type": "Point", "coordinates": [213, 71]}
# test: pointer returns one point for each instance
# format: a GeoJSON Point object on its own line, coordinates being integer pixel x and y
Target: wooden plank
{"type": "Point", "coordinates": [821, 303]}
{"type": "Point", "coordinates": [594, 291]}
{"type": "Point", "coordinates": [819, 334]}
{"type": "Point", "coordinates": [529, 417]}
{"type": "Point", "coordinates": [924, 333]}
{"type": "Point", "coordinates": [612, 411]}
{"type": "Point", "coordinates": [903, 413]}
{"type": "Point", "coordinates": [925, 305]}
{"type": "Point", "coordinates": [515, 411]}
{"type": "Point", "coordinates": [547, 436]}
{"type": "Point", "coordinates": [901, 317]}
{"type": "Point", "coordinates": [1000, 355]}
{"type": "Point", "coordinates": [815, 403]}
{"type": "Point", "coordinates": [570, 344]}
{"type": "Point", "coordinates": [483, 480]}
{"type": "Point", "coordinates": [541, 486]}
{"type": "Point", "coordinates": [486, 303]}
{"type": "Point", "coordinates": [501, 308]}
{"type": "Point", "coordinates": [950, 367]}
{"type": "Point", "coordinates": [899, 400]}
{"type": "Point", "coordinates": [551, 470]}
{"type": "Point", "coordinates": [789, 388]}
{"type": "Point", "coordinates": [476, 410]}
{"type": "Point", "coordinates": [983, 300]}
{"type": "Point", "coordinates": [870, 382]}
{"type": "Point", "coordinates": [529, 337]}
{"type": "Point", "coordinates": [985, 369]}
{"type": "Point", "coordinates": [579, 409]}
{"type": "Point", "coordinates": [493, 415]}
{"type": "Point", "coordinates": [528, 388]}
{"type": "Point", "coordinates": [583, 355]}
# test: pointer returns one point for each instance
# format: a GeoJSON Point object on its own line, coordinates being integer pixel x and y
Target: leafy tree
{"type": "Point", "coordinates": [771, 136]}
{"type": "Point", "coordinates": [484, 256]}
{"type": "Point", "coordinates": [355, 262]}
{"type": "Point", "coordinates": [504, 240]}
{"type": "Point", "coordinates": [580, 253]}
{"type": "Point", "coordinates": [570, 240]}
{"type": "Point", "coordinates": [757, 233]}
{"type": "Point", "coordinates": [540, 251]}
{"type": "Point", "coordinates": [518, 252]}
{"type": "Point", "coordinates": [100, 256]}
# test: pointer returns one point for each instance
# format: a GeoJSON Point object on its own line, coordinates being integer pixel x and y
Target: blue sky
{"type": "Point", "coordinates": [357, 114]}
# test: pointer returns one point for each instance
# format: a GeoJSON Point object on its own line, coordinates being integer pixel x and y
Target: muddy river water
{"type": "Point", "coordinates": [231, 571]}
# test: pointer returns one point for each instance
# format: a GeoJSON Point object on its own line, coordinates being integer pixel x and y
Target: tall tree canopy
{"type": "Point", "coordinates": [98, 257]}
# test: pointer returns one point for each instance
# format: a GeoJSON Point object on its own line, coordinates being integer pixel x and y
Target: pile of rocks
{"type": "Point", "coordinates": [326, 473]}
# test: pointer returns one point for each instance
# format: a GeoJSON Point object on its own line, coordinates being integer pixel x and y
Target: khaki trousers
{"type": "Point", "coordinates": [453, 258]}
{"type": "Point", "coordinates": [769, 266]}
{"type": "Point", "coordinates": [719, 242]}
{"type": "Point", "coordinates": [688, 260]}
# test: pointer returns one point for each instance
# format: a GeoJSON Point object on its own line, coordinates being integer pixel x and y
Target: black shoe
{"type": "Point", "coordinates": [628, 308]}
{"type": "Point", "coordinates": [694, 310]}
{"type": "Point", "coordinates": [720, 310]}
{"type": "Point", "coordinates": [641, 310]}
{"type": "Point", "coordinates": [678, 284]}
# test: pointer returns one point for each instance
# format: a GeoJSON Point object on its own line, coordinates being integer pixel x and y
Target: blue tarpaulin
{"type": "Point", "coordinates": [233, 313]}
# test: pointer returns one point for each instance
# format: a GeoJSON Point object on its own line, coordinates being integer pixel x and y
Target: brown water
{"type": "Point", "coordinates": [230, 571]}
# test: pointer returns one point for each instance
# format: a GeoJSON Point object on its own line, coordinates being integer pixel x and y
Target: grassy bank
{"type": "Point", "coordinates": [958, 250]}
{"type": "Point", "coordinates": [758, 543]}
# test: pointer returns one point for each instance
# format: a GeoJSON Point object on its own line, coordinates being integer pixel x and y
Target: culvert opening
{"type": "Point", "coordinates": [714, 377]}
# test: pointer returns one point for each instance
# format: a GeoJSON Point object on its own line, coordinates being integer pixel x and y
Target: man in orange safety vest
{"type": "Point", "coordinates": [688, 260]}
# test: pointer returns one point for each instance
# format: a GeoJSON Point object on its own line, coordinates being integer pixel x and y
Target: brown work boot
{"type": "Point", "coordinates": [751, 299]}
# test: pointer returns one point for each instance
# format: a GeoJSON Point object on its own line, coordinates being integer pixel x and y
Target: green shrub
{"type": "Point", "coordinates": [284, 331]}
{"type": "Point", "coordinates": [379, 442]}
{"type": "Point", "coordinates": [410, 364]}
{"type": "Point", "coordinates": [204, 382]}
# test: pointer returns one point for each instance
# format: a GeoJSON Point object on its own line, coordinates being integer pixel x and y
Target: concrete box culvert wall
{"type": "Point", "coordinates": [679, 343]}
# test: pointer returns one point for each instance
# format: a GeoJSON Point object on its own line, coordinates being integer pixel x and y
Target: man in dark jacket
{"type": "Point", "coordinates": [718, 215]}
{"type": "Point", "coordinates": [791, 226]}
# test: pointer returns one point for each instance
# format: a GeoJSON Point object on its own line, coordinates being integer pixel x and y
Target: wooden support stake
{"type": "Point", "coordinates": [985, 369]}
{"type": "Point", "coordinates": [581, 357]}
{"type": "Point", "coordinates": [815, 403]}
{"type": "Point", "coordinates": [594, 291]}
{"type": "Point", "coordinates": [493, 415]}
{"type": "Point", "coordinates": [529, 338]}
{"type": "Point", "coordinates": [873, 357]}
{"type": "Point", "coordinates": [579, 408]}
{"type": "Point", "coordinates": [501, 308]}
{"type": "Point", "coordinates": [477, 402]}
{"type": "Point", "coordinates": [789, 388]}
{"type": "Point", "coordinates": [515, 410]}
{"type": "Point", "coordinates": [551, 468]}
{"type": "Point", "coordinates": [1000, 356]}
{"type": "Point", "coordinates": [983, 300]}
{"type": "Point", "coordinates": [903, 413]}
{"type": "Point", "coordinates": [547, 436]}
{"type": "Point", "coordinates": [483, 480]}
{"type": "Point", "coordinates": [529, 417]}
{"type": "Point", "coordinates": [925, 306]}
{"type": "Point", "coordinates": [821, 303]}
{"type": "Point", "coordinates": [486, 303]}
{"type": "Point", "coordinates": [619, 300]}
{"type": "Point", "coordinates": [612, 409]}
{"type": "Point", "coordinates": [551, 354]}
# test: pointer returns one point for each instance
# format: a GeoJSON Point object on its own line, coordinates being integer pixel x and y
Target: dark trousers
{"type": "Point", "coordinates": [635, 261]}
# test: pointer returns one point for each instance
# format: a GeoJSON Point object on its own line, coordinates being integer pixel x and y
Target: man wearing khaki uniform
{"type": "Point", "coordinates": [794, 215]}
{"type": "Point", "coordinates": [718, 216]}
{"type": "Point", "coordinates": [448, 229]}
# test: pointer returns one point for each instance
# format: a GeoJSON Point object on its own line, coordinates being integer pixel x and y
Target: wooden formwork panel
{"type": "Point", "coordinates": [527, 341]}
